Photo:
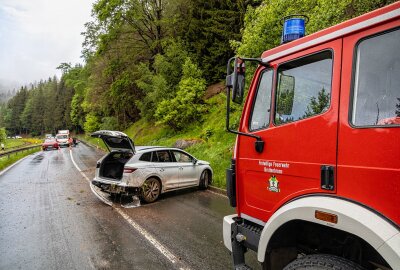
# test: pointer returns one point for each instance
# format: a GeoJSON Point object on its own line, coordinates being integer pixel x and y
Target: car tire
{"type": "Point", "coordinates": [322, 262]}
{"type": "Point", "coordinates": [151, 189]}
{"type": "Point", "coordinates": [205, 179]}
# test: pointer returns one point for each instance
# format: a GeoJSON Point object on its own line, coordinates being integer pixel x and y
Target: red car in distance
{"type": "Point", "coordinates": [49, 144]}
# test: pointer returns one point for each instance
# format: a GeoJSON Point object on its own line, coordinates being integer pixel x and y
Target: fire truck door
{"type": "Point", "coordinates": [301, 137]}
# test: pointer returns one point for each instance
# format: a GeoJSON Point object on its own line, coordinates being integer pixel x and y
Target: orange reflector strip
{"type": "Point", "coordinates": [328, 217]}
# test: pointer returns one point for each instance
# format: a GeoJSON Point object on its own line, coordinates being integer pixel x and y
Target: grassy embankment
{"type": "Point", "coordinates": [14, 144]}
{"type": "Point", "coordinates": [216, 145]}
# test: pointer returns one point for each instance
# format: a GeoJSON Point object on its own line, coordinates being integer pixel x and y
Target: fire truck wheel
{"type": "Point", "coordinates": [204, 179]}
{"type": "Point", "coordinates": [322, 262]}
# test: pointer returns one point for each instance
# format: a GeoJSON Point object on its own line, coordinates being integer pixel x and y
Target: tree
{"type": "Point", "coordinates": [92, 123]}
{"type": "Point", "coordinates": [319, 104]}
{"type": "Point", "coordinates": [263, 28]}
{"type": "Point", "coordinates": [188, 105]}
{"type": "Point", "coordinates": [3, 135]}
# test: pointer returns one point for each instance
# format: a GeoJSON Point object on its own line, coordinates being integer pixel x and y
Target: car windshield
{"type": "Point", "coordinates": [49, 140]}
{"type": "Point", "coordinates": [62, 136]}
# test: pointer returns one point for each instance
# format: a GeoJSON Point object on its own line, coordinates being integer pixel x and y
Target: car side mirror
{"type": "Point", "coordinates": [194, 161]}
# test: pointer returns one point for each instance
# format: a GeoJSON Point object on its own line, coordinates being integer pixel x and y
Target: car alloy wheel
{"type": "Point", "coordinates": [151, 190]}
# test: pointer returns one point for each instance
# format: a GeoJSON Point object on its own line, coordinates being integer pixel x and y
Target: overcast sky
{"type": "Point", "coordinates": [37, 35]}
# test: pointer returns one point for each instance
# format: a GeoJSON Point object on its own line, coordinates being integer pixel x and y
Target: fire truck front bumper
{"type": "Point", "coordinates": [227, 229]}
{"type": "Point", "coordinates": [239, 236]}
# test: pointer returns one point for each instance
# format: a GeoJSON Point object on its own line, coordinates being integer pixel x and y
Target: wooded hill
{"type": "Point", "coordinates": [153, 60]}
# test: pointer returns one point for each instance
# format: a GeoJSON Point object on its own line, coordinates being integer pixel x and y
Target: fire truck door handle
{"type": "Point", "coordinates": [327, 177]}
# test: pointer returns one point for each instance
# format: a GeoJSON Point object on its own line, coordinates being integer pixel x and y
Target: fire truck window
{"type": "Point", "coordinates": [303, 88]}
{"type": "Point", "coordinates": [261, 108]}
{"type": "Point", "coordinates": [376, 99]}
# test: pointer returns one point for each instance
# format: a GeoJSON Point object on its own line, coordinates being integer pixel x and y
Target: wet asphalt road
{"type": "Point", "coordinates": [49, 219]}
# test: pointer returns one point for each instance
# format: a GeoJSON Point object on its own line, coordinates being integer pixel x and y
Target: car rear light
{"type": "Point", "coordinates": [129, 170]}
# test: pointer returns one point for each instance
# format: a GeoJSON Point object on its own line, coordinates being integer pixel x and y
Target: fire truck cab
{"type": "Point", "coordinates": [315, 174]}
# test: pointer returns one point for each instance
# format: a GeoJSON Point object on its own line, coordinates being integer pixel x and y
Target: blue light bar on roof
{"type": "Point", "coordinates": [294, 27]}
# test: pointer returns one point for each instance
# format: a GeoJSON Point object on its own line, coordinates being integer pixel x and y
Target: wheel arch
{"type": "Point", "coordinates": [352, 218]}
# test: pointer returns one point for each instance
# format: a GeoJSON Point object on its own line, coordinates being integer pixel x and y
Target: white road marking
{"type": "Point", "coordinates": [219, 194]}
{"type": "Point", "coordinates": [162, 249]}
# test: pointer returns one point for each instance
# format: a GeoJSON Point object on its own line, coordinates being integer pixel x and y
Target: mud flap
{"type": "Point", "coordinates": [102, 196]}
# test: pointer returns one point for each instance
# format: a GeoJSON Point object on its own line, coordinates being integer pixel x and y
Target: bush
{"type": "Point", "coordinates": [91, 123]}
{"type": "Point", "coordinates": [110, 123]}
{"type": "Point", "coordinates": [187, 106]}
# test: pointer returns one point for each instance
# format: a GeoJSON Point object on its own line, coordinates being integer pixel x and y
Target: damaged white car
{"type": "Point", "coordinates": [146, 171]}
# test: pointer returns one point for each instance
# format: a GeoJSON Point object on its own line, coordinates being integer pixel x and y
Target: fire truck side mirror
{"type": "Point", "coordinates": [235, 79]}
{"type": "Point", "coordinates": [286, 85]}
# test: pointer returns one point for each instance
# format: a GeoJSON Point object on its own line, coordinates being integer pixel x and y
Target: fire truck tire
{"type": "Point", "coordinates": [322, 262]}
{"type": "Point", "coordinates": [205, 179]}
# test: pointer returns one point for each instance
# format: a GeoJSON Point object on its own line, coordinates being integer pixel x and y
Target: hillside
{"type": "Point", "coordinates": [214, 143]}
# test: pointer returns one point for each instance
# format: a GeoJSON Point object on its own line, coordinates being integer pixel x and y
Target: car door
{"type": "Point", "coordinates": [187, 169]}
{"type": "Point", "coordinates": [299, 128]}
{"type": "Point", "coordinates": [167, 168]}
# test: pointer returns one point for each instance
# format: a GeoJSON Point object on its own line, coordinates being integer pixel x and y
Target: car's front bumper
{"type": "Point", "coordinates": [63, 144]}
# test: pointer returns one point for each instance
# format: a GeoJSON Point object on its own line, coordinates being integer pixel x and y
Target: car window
{"type": "Point", "coordinates": [182, 157]}
{"type": "Point", "coordinates": [145, 157]}
{"type": "Point", "coordinates": [154, 157]}
{"type": "Point", "coordinates": [303, 88]}
{"type": "Point", "coordinates": [163, 156]}
{"type": "Point", "coordinates": [262, 103]}
{"type": "Point", "coordinates": [376, 95]}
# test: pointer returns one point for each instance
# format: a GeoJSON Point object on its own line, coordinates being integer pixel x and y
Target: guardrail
{"type": "Point", "coordinates": [8, 153]}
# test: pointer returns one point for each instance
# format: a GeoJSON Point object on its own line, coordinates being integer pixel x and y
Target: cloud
{"type": "Point", "coordinates": [36, 36]}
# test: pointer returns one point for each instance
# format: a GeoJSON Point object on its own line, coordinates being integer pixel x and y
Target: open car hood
{"type": "Point", "coordinates": [115, 140]}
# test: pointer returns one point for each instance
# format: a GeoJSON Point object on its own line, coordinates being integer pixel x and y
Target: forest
{"type": "Point", "coordinates": [153, 60]}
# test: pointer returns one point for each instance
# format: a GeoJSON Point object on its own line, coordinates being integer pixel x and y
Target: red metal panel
{"type": "Point", "coordinates": [368, 158]}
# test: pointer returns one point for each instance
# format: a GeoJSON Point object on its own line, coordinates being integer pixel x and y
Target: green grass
{"type": "Point", "coordinates": [13, 143]}
{"type": "Point", "coordinates": [5, 161]}
{"type": "Point", "coordinates": [94, 141]}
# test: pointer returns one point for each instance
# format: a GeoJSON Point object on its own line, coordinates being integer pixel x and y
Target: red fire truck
{"type": "Point", "coordinates": [315, 174]}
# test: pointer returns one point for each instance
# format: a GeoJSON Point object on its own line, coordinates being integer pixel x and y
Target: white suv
{"type": "Point", "coordinates": [146, 171]}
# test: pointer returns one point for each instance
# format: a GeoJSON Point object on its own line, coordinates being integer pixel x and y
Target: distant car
{"type": "Point", "coordinates": [146, 171]}
{"type": "Point", "coordinates": [50, 144]}
{"type": "Point", "coordinates": [18, 137]}
{"type": "Point", "coordinates": [63, 140]}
